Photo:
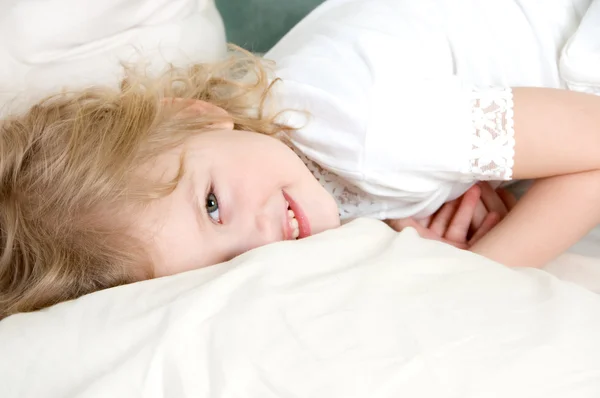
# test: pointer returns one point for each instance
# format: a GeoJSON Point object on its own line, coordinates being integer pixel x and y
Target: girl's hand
{"type": "Point", "coordinates": [463, 221]}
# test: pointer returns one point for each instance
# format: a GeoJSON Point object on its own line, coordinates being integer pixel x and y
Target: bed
{"type": "Point", "coordinates": [360, 311]}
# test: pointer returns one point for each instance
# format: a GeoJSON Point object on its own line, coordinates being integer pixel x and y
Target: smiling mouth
{"type": "Point", "coordinates": [298, 222]}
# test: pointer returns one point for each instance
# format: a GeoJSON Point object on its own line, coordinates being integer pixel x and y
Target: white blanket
{"type": "Point", "coordinates": [356, 312]}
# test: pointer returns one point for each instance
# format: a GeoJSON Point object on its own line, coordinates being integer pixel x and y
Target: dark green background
{"type": "Point", "coordinates": [258, 24]}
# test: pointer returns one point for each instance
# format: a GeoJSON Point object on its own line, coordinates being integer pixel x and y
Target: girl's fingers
{"type": "Point", "coordinates": [480, 209]}
{"type": "Point", "coordinates": [492, 200]}
{"type": "Point", "coordinates": [442, 218]}
{"type": "Point", "coordinates": [491, 220]}
{"type": "Point", "coordinates": [508, 198]}
{"type": "Point", "coordinates": [458, 230]}
{"type": "Point", "coordinates": [479, 215]}
{"type": "Point", "coordinates": [425, 233]}
{"type": "Point", "coordinates": [425, 221]}
{"type": "Point", "coordinates": [399, 224]}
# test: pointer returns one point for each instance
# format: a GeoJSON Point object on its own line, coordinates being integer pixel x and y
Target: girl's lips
{"type": "Point", "coordinates": [303, 223]}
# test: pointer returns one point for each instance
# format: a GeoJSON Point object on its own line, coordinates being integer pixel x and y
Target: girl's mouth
{"type": "Point", "coordinates": [298, 221]}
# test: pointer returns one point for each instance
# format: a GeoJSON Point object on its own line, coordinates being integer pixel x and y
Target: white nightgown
{"type": "Point", "coordinates": [409, 101]}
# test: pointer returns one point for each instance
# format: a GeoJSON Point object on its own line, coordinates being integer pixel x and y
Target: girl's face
{"type": "Point", "coordinates": [236, 194]}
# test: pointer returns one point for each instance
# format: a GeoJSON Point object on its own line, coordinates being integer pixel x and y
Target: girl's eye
{"type": "Point", "coordinates": [212, 207]}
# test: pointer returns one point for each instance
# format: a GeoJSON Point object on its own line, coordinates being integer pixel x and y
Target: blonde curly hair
{"type": "Point", "coordinates": [68, 174]}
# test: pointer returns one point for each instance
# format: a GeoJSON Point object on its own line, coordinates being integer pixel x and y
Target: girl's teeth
{"type": "Point", "coordinates": [294, 223]}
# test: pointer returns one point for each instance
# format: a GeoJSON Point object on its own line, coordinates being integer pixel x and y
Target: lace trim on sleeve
{"type": "Point", "coordinates": [493, 139]}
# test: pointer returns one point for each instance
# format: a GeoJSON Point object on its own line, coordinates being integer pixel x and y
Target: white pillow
{"type": "Point", "coordinates": [355, 312]}
{"type": "Point", "coordinates": [52, 44]}
{"type": "Point", "coordinates": [580, 59]}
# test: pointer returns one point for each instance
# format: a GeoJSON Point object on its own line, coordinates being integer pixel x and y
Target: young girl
{"type": "Point", "coordinates": [109, 186]}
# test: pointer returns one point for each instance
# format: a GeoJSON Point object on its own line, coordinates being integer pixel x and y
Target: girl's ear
{"type": "Point", "coordinates": [192, 107]}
